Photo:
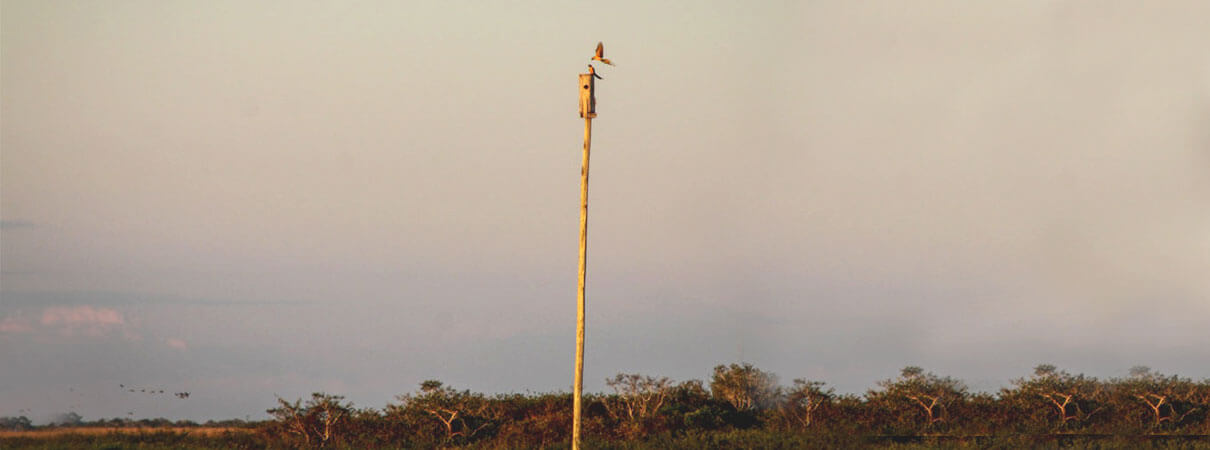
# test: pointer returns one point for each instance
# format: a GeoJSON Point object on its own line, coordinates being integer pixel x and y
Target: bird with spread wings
{"type": "Point", "coordinates": [600, 56]}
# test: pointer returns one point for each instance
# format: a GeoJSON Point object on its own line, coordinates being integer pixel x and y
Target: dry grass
{"type": "Point", "coordinates": [60, 431]}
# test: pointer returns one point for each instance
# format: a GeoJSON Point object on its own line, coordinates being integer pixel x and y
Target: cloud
{"type": "Point", "coordinates": [15, 325]}
{"type": "Point", "coordinates": [81, 315]}
{"type": "Point", "coordinates": [83, 320]}
{"type": "Point", "coordinates": [69, 321]}
{"type": "Point", "coordinates": [176, 343]}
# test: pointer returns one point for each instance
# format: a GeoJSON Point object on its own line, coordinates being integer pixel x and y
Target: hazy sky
{"type": "Point", "coordinates": [243, 200]}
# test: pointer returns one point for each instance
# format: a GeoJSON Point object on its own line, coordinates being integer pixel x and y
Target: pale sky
{"type": "Point", "coordinates": [242, 200]}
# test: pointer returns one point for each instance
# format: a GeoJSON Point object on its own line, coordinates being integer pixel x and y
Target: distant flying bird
{"type": "Point", "coordinates": [600, 56]}
{"type": "Point", "coordinates": [593, 71]}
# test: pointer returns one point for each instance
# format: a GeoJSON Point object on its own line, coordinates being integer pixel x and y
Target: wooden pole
{"type": "Point", "coordinates": [587, 107]}
{"type": "Point", "coordinates": [579, 386]}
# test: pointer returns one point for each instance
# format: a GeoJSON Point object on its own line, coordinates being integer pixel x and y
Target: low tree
{"type": "Point", "coordinates": [690, 393]}
{"type": "Point", "coordinates": [931, 393]}
{"type": "Point", "coordinates": [745, 387]}
{"type": "Point", "coordinates": [1167, 398]}
{"type": "Point", "coordinates": [461, 414]}
{"type": "Point", "coordinates": [320, 420]}
{"type": "Point", "coordinates": [19, 423]}
{"type": "Point", "coordinates": [1201, 397]}
{"type": "Point", "coordinates": [802, 400]}
{"type": "Point", "coordinates": [690, 405]}
{"type": "Point", "coordinates": [536, 421]}
{"type": "Point", "coordinates": [1073, 397]}
{"type": "Point", "coordinates": [637, 397]}
{"type": "Point", "coordinates": [66, 419]}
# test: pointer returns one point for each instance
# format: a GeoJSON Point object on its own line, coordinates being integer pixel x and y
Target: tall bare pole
{"type": "Point", "coordinates": [579, 387]}
{"type": "Point", "coordinates": [587, 111]}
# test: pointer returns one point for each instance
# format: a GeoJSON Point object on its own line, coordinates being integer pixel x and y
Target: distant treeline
{"type": "Point", "coordinates": [73, 420]}
{"type": "Point", "coordinates": [743, 406]}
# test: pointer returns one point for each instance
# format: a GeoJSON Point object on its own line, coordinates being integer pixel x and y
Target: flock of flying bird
{"type": "Point", "coordinates": [152, 391]}
{"type": "Point", "coordinates": [123, 387]}
{"type": "Point", "coordinates": [600, 56]}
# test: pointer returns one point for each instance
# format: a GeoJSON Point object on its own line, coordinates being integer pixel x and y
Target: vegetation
{"type": "Point", "coordinates": [742, 407]}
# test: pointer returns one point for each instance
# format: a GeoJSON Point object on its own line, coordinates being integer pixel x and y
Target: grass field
{"type": "Point", "coordinates": [143, 438]}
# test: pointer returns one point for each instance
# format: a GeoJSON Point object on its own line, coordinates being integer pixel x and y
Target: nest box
{"type": "Point", "coordinates": [588, 98]}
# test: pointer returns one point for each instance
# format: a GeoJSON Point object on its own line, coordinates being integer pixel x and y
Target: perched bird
{"type": "Point", "coordinates": [593, 71]}
{"type": "Point", "coordinates": [600, 56]}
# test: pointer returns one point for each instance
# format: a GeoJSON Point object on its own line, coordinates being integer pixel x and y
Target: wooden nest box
{"type": "Point", "coordinates": [588, 98]}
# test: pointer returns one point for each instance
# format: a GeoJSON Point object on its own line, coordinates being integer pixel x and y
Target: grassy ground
{"type": "Point", "coordinates": [132, 438]}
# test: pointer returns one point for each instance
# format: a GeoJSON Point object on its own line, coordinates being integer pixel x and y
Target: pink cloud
{"type": "Point", "coordinates": [177, 344]}
{"type": "Point", "coordinates": [85, 320]}
{"type": "Point", "coordinates": [15, 325]}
